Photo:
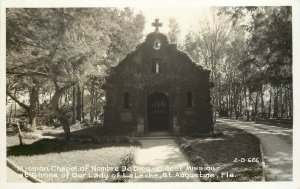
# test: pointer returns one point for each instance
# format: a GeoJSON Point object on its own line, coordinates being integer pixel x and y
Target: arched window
{"type": "Point", "coordinates": [126, 100]}
{"type": "Point", "coordinates": [189, 98]}
{"type": "Point", "coordinates": [157, 68]}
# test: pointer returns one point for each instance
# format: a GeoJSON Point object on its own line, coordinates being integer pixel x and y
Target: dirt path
{"type": "Point", "coordinates": [159, 156]}
{"type": "Point", "coordinates": [277, 147]}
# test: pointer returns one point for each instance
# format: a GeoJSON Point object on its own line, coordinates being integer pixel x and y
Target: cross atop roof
{"type": "Point", "coordinates": [156, 24]}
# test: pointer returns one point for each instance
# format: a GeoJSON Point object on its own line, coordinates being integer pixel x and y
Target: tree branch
{"type": "Point", "coordinates": [29, 73]}
{"type": "Point", "coordinates": [67, 86]}
{"type": "Point", "coordinates": [26, 64]}
{"type": "Point", "coordinates": [26, 107]}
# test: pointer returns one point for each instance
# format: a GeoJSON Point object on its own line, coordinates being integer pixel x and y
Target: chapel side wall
{"type": "Point", "coordinates": [128, 117]}
{"type": "Point", "coordinates": [197, 118]}
{"type": "Point", "coordinates": [117, 118]}
{"type": "Point", "coordinates": [111, 120]}
{"type": "Point", "coordinates": [205, 103]}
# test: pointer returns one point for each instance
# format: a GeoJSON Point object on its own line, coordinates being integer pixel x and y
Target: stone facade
{"type": "Point", "coordinates": [158, 88]}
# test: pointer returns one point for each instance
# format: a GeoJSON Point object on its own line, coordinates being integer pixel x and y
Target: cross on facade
{"type": "Point", "coordinates": [156, 24]}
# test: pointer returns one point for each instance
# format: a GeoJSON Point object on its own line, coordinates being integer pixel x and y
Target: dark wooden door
{"type": "Point", "coordinates": [158, 112]}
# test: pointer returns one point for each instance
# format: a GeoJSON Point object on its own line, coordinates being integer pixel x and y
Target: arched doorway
{"type": "Point", "coordinates": [158, 112]}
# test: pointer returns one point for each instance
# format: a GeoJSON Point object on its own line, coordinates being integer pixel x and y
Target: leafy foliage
{"type": "Point", "coordinates": [174, 31]}
{"type": "Point", "coordinates": [249, 50]}
{"type": "Point", "coordinates": [67, 46]}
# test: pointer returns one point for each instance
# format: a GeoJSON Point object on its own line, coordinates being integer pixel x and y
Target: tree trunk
{"type": "Point", "coordinates": [246, 110]}
{"type": "Point", "coordinates": [78, 108]}
{"type": "Point", "coordinates": [74, 105]}
{"type": "Point", "coordinates": [92, 107]}
{"type": "Point", "coordinates": [96, 103]}
{"type": "Point", "coordinates": [280, 103]}
{"type": "Point", "coordinates": [270, 103]}
{"type": "Point", "coordinates": [82, 104]}
{"type": "Point", "coordinates": [10, 111]}
{"type": "Point", "coordinates": [227, 106]}
{"type": "Point", "coordinates": [275, 114]}
{"type": "Point", "coordinates": [214, 111]}
{"type": "Point", "coordinates": [60, 100]}
{"type": "Point", "coordinates": [250, 114]}
{"type": "Point", "coordinates": [291, 101]}
{"type": "Point", "coordinates": [262, 102]}
{"type": "Point", "coordinates": [220, 102]}
{"type": "Point", "coordinates": [59, 114]}
{"type": "Point", "coordinates": [236, 101]}
{"type": "Point", "coordinates": [66, 98]}
{"type": "Point", "coordinates": [230, 104]}
{"type": "Point", "coordinates": [256, 107]}
{"type": "Point", "coordinates": [34, 101]}
{"type": "Point", "coordinates": [286, 102]}
{"type": "Point", "coordinates": [20, 135]}
{"type": "Point", "coordinates": [241, 103]}
{"type": "Point", "coordinates": [15, 112]}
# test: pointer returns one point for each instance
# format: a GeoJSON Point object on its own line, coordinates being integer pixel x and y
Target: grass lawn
{"type": "Point", "coordinates": [88, 157]}
{"type": "Point", "coordinates": [231, 152]}
{"type": "Point", "coordinates": [84, 165]}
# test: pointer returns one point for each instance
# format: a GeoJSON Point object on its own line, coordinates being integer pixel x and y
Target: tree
{"type": "Point", "coordinates": [248, 50]}
{"type": "Point", "coordinates": [271, 42]}
{"type": "Point", "coordinates": [29, 34]}
{"type": "Point", "coordinates": [69, 46]}
{"type": "Point", "coordinates": [210, 43]}
{"type": "Point", "coordinates": [174, 31]}
{"type": "Point", "coordinates": [261, 68]}
{"type": "Point", "coordinates": [83, 51]}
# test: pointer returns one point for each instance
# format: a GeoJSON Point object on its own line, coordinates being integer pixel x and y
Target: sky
{"type": "Point", "coordinates": [187, 18]}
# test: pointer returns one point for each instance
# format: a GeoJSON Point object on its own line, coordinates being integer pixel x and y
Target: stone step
{"type": "Point", "coordinates": [158, 133]}
{"type": "Point", "coordinates": [152, 137]}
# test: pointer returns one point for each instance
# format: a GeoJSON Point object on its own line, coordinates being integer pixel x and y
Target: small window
{"type": "Point", "coordinates": [156, 67]}
{"type": "Point", "coordinates": [189, 99]}
{"type": "Point", "coordinates": [126, 100]}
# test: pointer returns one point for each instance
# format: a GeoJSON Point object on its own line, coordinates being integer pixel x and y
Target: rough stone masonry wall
{"type": "Point", "coordinates": [178, 74]}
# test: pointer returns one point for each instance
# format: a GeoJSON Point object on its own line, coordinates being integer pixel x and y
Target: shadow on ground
{"type": "Point", "coordinates": [229, 151]}
{"type": "Point", "coordinates": [83, 139]}
{"type": "Point", "coordinates": [45, 146]}
{"type": "Point", "coordinates": [261, 129]}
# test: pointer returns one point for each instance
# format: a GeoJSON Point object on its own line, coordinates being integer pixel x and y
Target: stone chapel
{"type": "Point", "coordinates": [158, 88]}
